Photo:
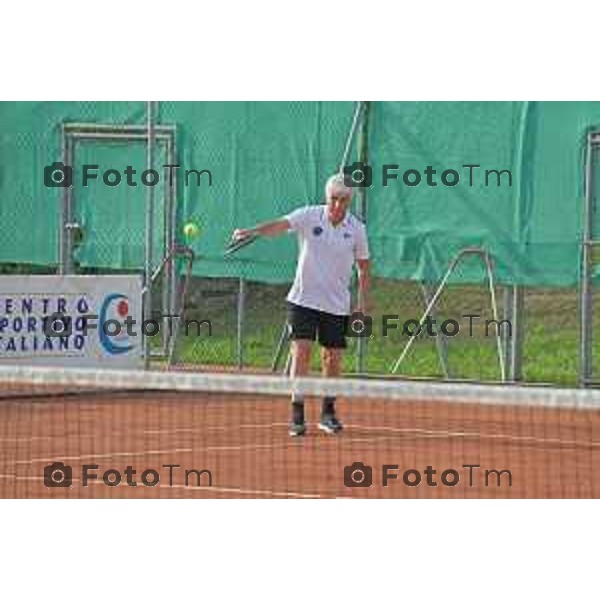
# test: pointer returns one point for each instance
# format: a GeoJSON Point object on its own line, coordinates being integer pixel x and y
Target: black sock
{"type": "Point", "coordinates": [328, 408]}
{"type": "Point", "coordinates": [298, 412]}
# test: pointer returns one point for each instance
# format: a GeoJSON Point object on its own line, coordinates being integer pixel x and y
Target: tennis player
{"type": "Point", "coordinates": [319, 303]}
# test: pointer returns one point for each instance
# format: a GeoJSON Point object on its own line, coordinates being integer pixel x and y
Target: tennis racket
{"type": "Point", "coordinates": [235, 245]}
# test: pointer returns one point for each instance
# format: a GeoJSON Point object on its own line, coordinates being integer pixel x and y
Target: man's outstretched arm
{"type": "Point", "coordinates": [271, 228]}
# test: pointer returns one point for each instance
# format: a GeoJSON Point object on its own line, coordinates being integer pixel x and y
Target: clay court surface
{"type": "Point", "coordinates": [242, 440]}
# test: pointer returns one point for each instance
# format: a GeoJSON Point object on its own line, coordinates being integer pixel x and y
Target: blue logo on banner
{"type": "Point", "coordinates": [117, 305]}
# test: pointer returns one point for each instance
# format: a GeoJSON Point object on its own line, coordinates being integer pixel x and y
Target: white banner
{"type": "Point", "coordinates": [71, 320]}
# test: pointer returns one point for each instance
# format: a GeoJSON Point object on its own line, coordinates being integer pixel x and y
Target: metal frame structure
{"type": "Point", "coordinates": [172, 254]}
{"type": "Point", "coordinates": [441, 341]}
{"type": "Point", "coordinates": [74, 133]}
{"type": "Point", "coordinates": [464, 253]}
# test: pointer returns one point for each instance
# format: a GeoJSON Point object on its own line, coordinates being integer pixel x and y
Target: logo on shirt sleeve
{"type": "Point", "coordinates": [317, 230]}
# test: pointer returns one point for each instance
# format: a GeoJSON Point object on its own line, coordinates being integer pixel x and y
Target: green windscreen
{"type": "Point", "coordinates": [267, 158]}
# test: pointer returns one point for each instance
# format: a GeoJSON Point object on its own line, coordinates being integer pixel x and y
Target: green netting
{"type": "Point", "coordinates": [30, 139]}
{"type": "Point", "coordinates": [112, 218]}
{"type": "Point", "coordinates": [267, 158]}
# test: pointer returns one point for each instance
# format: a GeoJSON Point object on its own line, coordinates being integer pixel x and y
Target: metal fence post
{"type": "Point", "coordinates": [147, 301]}
{"type": "Point", "coordinates": [515, 366]}
{"type": "Point", "coordinates": [64, 211]}
{"type": "Point", "coordinates": [66, 224]}
{"type": "Point", "coordinates": [363, 157]}
{"type": "Point", "coordinates": [240, 322]}
{"type": "Point", "coordinates": [585, 347]}
{"type": "Point", "coordinates": [514, 306]}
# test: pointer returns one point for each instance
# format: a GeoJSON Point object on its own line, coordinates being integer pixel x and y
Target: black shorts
{"type": "Point", "coordinates": [310, 324]}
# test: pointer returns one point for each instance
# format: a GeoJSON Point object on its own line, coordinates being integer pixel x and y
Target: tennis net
{"type": "Point", "coordinates": [406, 439]}
{"type": "Point", "coordinates": [40, 381]}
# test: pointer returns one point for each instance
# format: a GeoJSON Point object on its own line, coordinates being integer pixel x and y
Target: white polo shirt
{"type": "Point", "coordinates": [327, 255]}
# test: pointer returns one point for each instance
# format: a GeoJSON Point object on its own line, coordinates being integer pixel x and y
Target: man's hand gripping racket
{"type": "Point", "coordinates": [239, 239]}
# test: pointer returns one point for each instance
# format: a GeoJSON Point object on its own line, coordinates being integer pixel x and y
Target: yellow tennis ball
{"type": "Point", "coordinates": [191, 230]}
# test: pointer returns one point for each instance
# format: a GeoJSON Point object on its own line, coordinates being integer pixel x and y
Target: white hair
{"type": "Point", "coordinates": [336, 185]}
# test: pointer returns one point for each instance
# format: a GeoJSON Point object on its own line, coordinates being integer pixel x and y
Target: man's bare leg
{"type": "Point", "coordinates": [300, 367]}
{"type": "Point", "coordinates": [331, 363]}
